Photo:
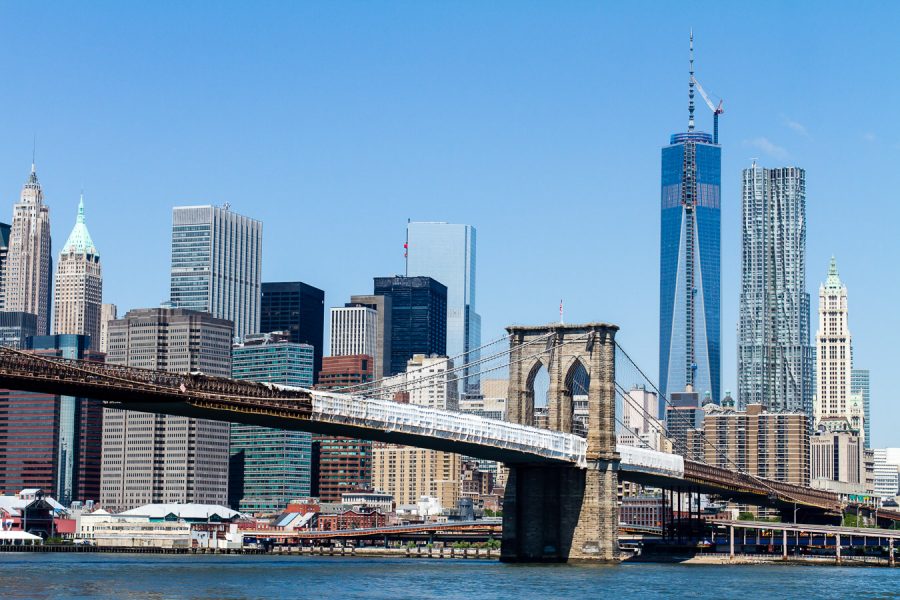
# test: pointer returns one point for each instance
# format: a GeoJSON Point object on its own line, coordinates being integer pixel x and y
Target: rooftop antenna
{"type": "Point", "coordinates": [691, 87]}
{"type": "Point", "coordinates": [33, 150]}
{"type": "Point", "coordinates": [406, 248]}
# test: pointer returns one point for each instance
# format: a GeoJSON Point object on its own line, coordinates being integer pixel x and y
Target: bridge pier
{"type": "Point", "coordinates": [556, 513]}
{"type": "Point", "coordinates": [561, 513]}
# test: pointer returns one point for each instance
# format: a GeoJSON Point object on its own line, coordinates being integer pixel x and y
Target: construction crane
{"type": "Point", "coordinates": [717, 110]}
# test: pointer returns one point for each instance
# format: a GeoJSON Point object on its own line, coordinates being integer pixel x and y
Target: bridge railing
{"type": "Point", "coordinates": [419, 420]}
{"type": "Point", "coordinates": [653, 461]}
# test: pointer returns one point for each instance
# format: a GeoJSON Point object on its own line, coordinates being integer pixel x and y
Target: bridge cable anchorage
{"type": "Point", "coordinates": [763, 482]}
{"type": "Point", "coordinates": [467, 352]}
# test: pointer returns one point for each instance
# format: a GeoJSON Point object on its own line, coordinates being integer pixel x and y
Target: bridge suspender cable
{"type": "Point", "coordinates": [404, 385]}
{"type": "Point", "coordinates": [426, 382]}
{"type": "Point", "coordinates": [379, 380]}
{"type": "Point", "coordinates": [703, 438]}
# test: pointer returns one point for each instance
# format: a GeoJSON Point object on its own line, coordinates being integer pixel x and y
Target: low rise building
{"type": "Point", "coordinates": [409, 473]}
{"type": "Point", "coordinates": [377, 500]}
{"type": "Point", "coordinates": [642, 511]}
{"type": "Point", "coordinates": [837, 458]}
{"type": "Point", "coordinates": [887, 475]}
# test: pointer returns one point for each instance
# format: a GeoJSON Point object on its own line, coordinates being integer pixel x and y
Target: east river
{"type": "Point", "coordinates": [159, 577]}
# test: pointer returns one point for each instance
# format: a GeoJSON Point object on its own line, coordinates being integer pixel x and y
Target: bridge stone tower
{"type": "Point", "coordinates": [563, 512]}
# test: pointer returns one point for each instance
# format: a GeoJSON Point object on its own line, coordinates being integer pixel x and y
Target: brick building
{"type": "Point", "coordinates": [340, 464]}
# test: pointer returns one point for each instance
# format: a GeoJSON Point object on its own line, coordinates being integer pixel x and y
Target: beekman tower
{"type": "Point", "coordinates": [689, 314]}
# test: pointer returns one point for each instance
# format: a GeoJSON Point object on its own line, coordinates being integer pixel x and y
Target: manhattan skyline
{"type": "Point", "coordinates": [538, 125]}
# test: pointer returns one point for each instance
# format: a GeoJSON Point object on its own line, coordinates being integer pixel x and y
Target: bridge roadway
{"type": "Point", "coordinates": [215, 398]}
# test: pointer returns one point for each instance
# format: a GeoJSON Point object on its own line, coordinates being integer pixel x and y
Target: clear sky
{"type": "Point", "coordinates": [540, 123]}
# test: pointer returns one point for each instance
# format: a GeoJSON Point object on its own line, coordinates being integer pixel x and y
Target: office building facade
{"type": "Point", "coordinates": [418, 317]}
{"type": "Point", "coordinates": [28, 269]}
{"type": "Point", "coordinates": [690, 259]}
{"type": "Point", "coordinates": [216, 264]}
{"type": "Point", "coordinates": [108, 312]}
{"type": "Point", "coordinates": [269, 467]}
{"type": "Point", "coordinates": [5, 230]}
{"type": "Point", "coordinates": [887, 476]}
{"type": "Point", "coordinates": [354, 331]}
{"type": "Point", "coordinates": [151, 458]}
{"type": "Point", "coordinates": [446, 252]}
{"type": "Point", "coordinates": [836, 462]}
{"type": "Point", "coordinates": [859, 384]}
{"type": "Point", "coordinates": [774, 353]}
{"type": "Point", "coordinates": [383, 307]}
{"type": "Point", "coordinates": [683, 415]}
{"type": "Point", "coordinates": [16, 328]}
{"type": "Point", "coordinates": [299, 309]}
{"type": "Point", "coordinates": [48, 441]}
{"type": "Point", "coordinates": [342, 464]}
{"type": "Point", "coordinates": [79, 284]}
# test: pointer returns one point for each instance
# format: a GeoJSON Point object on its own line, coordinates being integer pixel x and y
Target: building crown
{"type": "Point", "coordinates": [79, 241]}
{"type": "Point", "coordinates": [833, 281]}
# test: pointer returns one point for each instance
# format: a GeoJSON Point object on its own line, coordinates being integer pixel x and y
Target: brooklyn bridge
{"type": "Point", "coordinates": [560, 501]}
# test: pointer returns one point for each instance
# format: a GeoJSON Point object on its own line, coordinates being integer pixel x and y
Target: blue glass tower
{"type": "Point", "coordinates": [446, 252]}
{"type": "Point", "coordinates": [689, 285]}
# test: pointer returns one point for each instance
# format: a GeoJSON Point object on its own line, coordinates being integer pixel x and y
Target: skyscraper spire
{"type": "Point", "coordinates": [691, 88]}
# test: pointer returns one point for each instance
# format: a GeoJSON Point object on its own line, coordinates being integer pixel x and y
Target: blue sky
{"type": "Point", "coordinates": [538, 122]}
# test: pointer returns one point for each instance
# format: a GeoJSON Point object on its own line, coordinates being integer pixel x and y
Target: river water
{"type": "Point", "coordinates": [158, 577]}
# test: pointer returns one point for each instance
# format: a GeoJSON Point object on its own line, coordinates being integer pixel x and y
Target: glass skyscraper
{"type": "Point", "coordinates": [418, 317]}
{"type": "Point", "coordinates": [774, 354]}
{"type": "Point", "coordinates": [690, 280]}
{"type": "Point", "coordinates": [269, 467]}
{"type": "Point", "coordinates": [859, 384]}
{"type": "Point", "coordinates": [299, 309]}
{"type": "Point", "coordinates": [216, 264]}
{"type": "Point", "coordinates": [446, 252]}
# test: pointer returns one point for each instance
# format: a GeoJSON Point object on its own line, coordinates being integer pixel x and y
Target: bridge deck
{"type": "Point", "coordinates": [216, 398]}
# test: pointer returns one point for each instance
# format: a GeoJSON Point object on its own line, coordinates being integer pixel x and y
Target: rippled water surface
{"type": "Point", "coordinates": [160, 577]}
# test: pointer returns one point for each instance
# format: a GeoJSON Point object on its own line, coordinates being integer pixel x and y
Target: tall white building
{"type": "Point", "coordinates": [26, 285]}
{"type": "Point", "coordinates": [108, 312]}
{"type": "Point", "coordinates": [354, 331]}
{"type": "Point", "coordinates": [834, 359]}
{"type": "Point", "coordinates": [216, 264]}
{"type": "Point", "coordinates": [382, 305]}
{"type": "Point", "coordinates": [79, 284]}
{"type": "Point", "coordinates": [151, 458]}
